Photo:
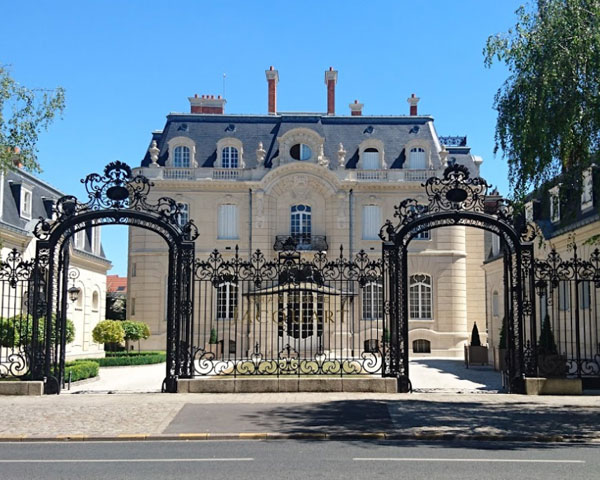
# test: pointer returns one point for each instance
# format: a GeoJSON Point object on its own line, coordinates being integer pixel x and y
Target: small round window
{"type": "Point", "coordinates": [300, 151]}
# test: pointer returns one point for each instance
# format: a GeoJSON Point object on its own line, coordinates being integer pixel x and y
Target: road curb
{"type": "Point", "coordinates": [420, 436]}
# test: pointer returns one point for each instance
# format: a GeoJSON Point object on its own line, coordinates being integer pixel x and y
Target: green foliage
{"type": "Point", "coordinates": [133, 354]}
{"type": "Point", "coordinates": [386, 335]}
{"type": "Point", "coordinates": [546, 344]}
{"type": "Point", "coordinates": [549, 107]}
{"type": "Point", "coordinates": [81, 369]}
{"type": "Point", "coordinates": [116, 306]}
{"type": "Point", "coordinates": [502, 342]}
{"type": "Point", "coordinates": [213, 336]}
{"type": "Point", "coordinates": [143, 358]}
{"type": "Point", "coordinates": [135, 330]}
{"type": "Point", "coordinates": [108, 331]}
{"type": "Point", "coordinates": [24, 113]}
{"type": "Point", "coordinates": [475, 340]}
{"type": "Point", "coordinates": [18, 330]}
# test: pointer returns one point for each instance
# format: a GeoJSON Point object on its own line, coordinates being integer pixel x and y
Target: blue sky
{"type": "Point", "coordinates": [125, 65]}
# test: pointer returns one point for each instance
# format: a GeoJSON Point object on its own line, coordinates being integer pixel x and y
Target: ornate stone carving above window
{"type": "Point", "coordinates": [301, 145]}
{"type": "Point", "coordinates": [181, 142]}
{"type": "Point", "coordinates": [227, 147]}
{"type": "Point", "coordinates": [366, 151]}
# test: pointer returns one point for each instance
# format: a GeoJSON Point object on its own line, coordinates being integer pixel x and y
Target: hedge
{"type": "Point", "coordinates": [81, 369]}
{"type": "Point", "coordinates": [133, 354]}
{"type": "Point", "coordinates": [124, 360]}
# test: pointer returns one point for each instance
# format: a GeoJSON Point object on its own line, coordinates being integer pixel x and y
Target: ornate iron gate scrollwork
{"type": "Point", "coordinates": [456, 199]}
{"type": "Point", "coordinates": [116, 197]}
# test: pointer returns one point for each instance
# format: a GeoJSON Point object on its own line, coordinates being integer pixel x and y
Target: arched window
{"type": "Point", "coordinates": [95, 301]}
{"type": "Point", "coordinates": [184, 214]}
{"type": "Point", "coordinates": [182, 157]}
{"type": "Point", "coordinates": [80, 298]}
{"type": "Point", "coordinates": [372, 306]}
{"type": "Point", "coordinates": [230, 157]}
{"type": "Point", "coordinates": [417, 159]}
{"type": "Point", "coordinates": [370, 160]}
{"type": "Point", "coordinates": [227, 301]}
{"type": "Point", "coordinates": [301, 224]}
{"type": "Point", "coordinates": [421, 346]}
{"type": "Point", "coordinates": [420, 300]}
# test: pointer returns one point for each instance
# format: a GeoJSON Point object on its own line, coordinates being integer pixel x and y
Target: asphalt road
{"type": "Point", "coordinates": [297, 460]}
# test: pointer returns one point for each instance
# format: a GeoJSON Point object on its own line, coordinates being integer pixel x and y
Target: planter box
{"type": "Point", "coordinates": [22, 388]}
{"type": "Point", "coordinates": [476, 355]}
{"type": "Point", "coordinates": [552, 366]}
{"type": "Point", "coordinates": [500, 359]}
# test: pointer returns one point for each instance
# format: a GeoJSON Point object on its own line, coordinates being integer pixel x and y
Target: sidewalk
{"type": "Point", "coordinates": [306, 415]}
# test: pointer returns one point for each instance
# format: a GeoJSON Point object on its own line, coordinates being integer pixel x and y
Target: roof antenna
{"type": "Point", "coordinates": [224, 76]}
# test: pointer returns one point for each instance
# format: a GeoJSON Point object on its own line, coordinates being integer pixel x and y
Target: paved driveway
{"type": "Point", "coordinates": [426, 374]}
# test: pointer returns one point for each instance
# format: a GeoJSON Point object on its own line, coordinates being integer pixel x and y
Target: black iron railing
{"type": "Point", "coordinates": [302, 242]}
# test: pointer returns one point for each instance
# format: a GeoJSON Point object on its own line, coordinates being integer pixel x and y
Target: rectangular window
{"type": "Point", "coordinates": [133, 269]}
{"type": "Point", "coordinates": [564, 296]}
{"type": "Point", "coordinates": [96, 248]}
{"type": "Point", "coordinates": [584, 295]}
{"type": "Point", "coordinates": [371, 222]}
{"type": "Point", "coordinates": [370, 160]}
{"type": "Point", "coordinates": [80, 239]}
{"type": "Point", "coordinates": [495, 304]}
{"type": "Point", "coordinates": [423, 235]}
{"type": "Point", "coordinates": [133, 307]}
{"type": "Point", "coordinates": [227, 228]}
{"type": "Point", "coordinates": [25, 203]}
{"type": "Point", "coordinates": [495, 244]}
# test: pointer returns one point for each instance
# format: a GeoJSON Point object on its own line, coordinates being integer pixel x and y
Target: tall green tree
{"type": "Point", "coordinates": [24, 114]}
{"type": "Point", "coordinates": [549, 106]}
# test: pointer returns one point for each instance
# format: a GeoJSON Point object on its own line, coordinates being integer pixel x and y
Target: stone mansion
{"type": "Point", "coordinates": [320, 181]}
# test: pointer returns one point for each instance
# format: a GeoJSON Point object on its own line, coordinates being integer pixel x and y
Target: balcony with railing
{"type": "Point", "coordinates": [225, 174]}
{"type": "Point", "coordinates": [178, 173]}
{"type": "Point", "coordinates": [375, 175]}
{"type": "Point", "coordinates": [302, 242]}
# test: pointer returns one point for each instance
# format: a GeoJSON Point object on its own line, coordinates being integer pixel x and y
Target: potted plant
{"type": "Point", "coordinates": [500, 350]}
{"type": "Point", "coordinates": [475, 353]}
{"type": "Point", "coordinates": [550, 363]}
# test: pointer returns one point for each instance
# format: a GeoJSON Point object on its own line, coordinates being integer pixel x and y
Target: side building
{"type": "Point", "coordinates": [567, 292]}
{"type": "Point", "coordinates": [24, 200]}
{"type": "Point", "coordinates": [318, 182]}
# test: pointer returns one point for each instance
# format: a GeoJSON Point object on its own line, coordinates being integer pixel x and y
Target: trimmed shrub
{"type": "Point", "coordinates": [547, 345]}
{"type": "Point", "coordinates": [81, 369]}
{"type": "Point", "coordinates": [213, 336]}
{"type": "Point", "coordinates": [132, 354]}
{"type": "Point", "coordinates": [124, 360]}
{"type": "Point", "coordinates": [18, 330]}
{"type": "Point", "coordinates": [108, 331]}
{"type": "Point", "coordinates": [135, 331]}
{"type": "Point", "coordinates": [475, 340]}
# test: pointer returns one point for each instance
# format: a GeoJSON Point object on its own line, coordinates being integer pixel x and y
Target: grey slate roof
{"type": "Point", "coordinates": [43, 198]}
{"type": "Point", "coordinates": [206, 130]}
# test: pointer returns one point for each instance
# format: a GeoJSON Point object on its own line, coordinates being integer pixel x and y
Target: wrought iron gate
{"type": "Point", "coordinates": [115, 198]}
{"type": "Point", "coordinates": [456, 199]}
{"type": "Point", "coordinates": [290, 315]}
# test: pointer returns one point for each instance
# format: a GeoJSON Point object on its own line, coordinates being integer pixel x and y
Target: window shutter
{"type": "Point", "coordinates": [371, 222]}
{"type": "Point", "coordinates": [417, 159]}
{"type": "Point", "coordinates": [227, 222]}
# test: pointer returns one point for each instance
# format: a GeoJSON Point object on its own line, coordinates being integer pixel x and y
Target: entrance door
{"type": "Point", "coordinates": [300, 320]}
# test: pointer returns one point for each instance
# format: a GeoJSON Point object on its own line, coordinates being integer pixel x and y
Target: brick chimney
{"type": "Point", "coordinates": [413, 100]}
{"type": "Point", "coordinates": [330, 80]}
{"type": "Point", "coordinates": [16, 157]}
{"type": "Point", "coordinates": [272, 80]}
{"type": "Point", "coordinates": [356, 109]}
{"type": "Point", "coordinates": [207, 104]}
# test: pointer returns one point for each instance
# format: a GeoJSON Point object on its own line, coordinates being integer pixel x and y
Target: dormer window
{"type": "Point", "coordinates": [417, 159]}
{"type": "Point", "coordinates": [80, 239]}
{"type": "Point", "coordinates": [529, 212]}
{"type": "Point", "coordinates": [370, 159]}
{"type": "Point", "coordinates": [230, 157]}
{"type": "Point", "coordinates": [182, 157]}
{"type": "Point", "coordinates": [587, 192]}
{"type": "Point", "coordinates": [555, 204]}
{"type": "Point", "coordinates": [300, 151]}
{"type": "Point", "coordinates": [26, 199]}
